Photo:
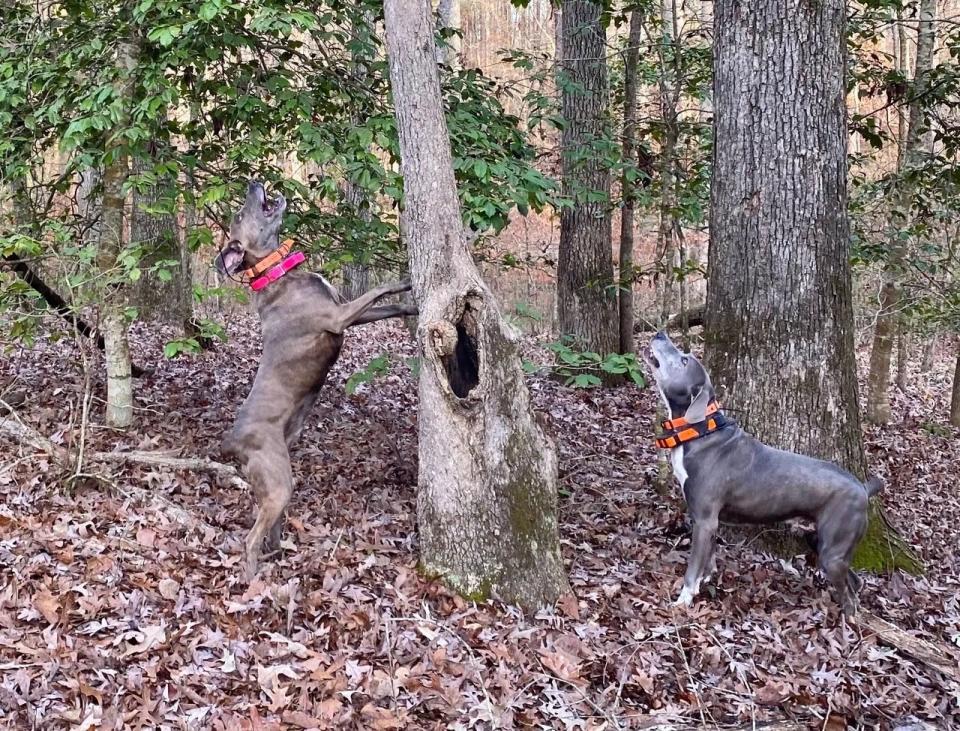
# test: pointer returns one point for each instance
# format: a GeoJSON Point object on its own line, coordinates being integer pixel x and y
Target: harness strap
{"type": "Point", "coordinates": [681, 431]}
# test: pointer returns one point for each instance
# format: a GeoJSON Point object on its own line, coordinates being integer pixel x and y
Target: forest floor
{"type": "Point", "coordinates": [122, 606]}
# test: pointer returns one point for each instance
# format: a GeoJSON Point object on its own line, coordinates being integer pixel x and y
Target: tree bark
{"type": "Point", "coordinates": [877, 409]}
{"type": "Point", "coordinates": [586, 299]}
{"type": "Point", "coordinates": [172, 300]}
{"type": "Point", "coordinates": [929, 350]}
{"type": "Point", "coordinates": [779, 316]}
{"type": "Point", "coordinates": [628, 182]}
{"type": "Point", "coordinates": [955, 395]}
{"type": "Point", "coordinates": [448, 17]}
{"type": "Point", "coordinates": [119, 409]}
{"type": "Point", "coordinates": [487, 498]}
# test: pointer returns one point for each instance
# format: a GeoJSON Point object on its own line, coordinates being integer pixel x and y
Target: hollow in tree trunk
{"type": "Point", "coordinates": [487, 498]}
{"type": "Point", "coordinates": [779, 317]}
{"type": "Point", "coordinates": [586, 295]}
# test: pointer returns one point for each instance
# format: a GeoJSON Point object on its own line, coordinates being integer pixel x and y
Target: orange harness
{"type": "Point", "coordinates": [268, 262]}
{"type": "Point", "coordinates": [680, 430]}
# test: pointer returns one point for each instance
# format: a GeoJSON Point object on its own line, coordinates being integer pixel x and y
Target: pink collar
{"type": "Point", "coordinates": [274, 273]}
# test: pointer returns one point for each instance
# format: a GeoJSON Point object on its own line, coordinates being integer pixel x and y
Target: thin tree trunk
{"type": "Point", "coordinates": [779, 317]}
{"type": "Point", "coordinates": [955, 396]}
{"type": "Point", "coordinates": [877, 409]}
{"type": "Point", "coordinates": [929, 350]}
{"type": "Point", "coordinates": [487, 496]}
{"type": "Point", "coordinates": [119, 410]}
{"type": "Point", "coordinates": [448, 17]}
{"type": "Point", "coordinates": [586, 297]}
{"type": "Point", "coordinates": [629, 181]}
{"type": "Point", "coordinates": [356, 275]}
{"type": "Point", "coordinates": [156, 233]}
{"type": "Point", "coordinates": [903, 355]}
{"type": "Point", "coordinates": [669, 99]}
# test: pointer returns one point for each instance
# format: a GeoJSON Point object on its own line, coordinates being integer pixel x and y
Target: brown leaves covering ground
{"type": "Point", "coordinates": [121, 606]}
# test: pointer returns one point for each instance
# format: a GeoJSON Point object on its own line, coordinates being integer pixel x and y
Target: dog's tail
{"type": "Point", "coordinates": [873, 485]}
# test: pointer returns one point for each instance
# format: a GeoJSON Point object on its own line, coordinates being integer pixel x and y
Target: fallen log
{"type": "Point", "coordinates": [924, 651]}
{"type": "Point", "coordinates": [30, 437]}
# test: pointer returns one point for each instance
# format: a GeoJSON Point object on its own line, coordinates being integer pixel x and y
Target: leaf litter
{"type": "Point", "coordinates": [121, 604]}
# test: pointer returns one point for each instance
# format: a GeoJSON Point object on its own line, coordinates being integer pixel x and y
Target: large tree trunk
{"type": "Point", "coordinates": [629, 181]}
{"type": "Point", "coordinates": [779, 317]}
{"type": "Point", "coordinates": [877, 408]}
{"type": "Point", "coordinates": [119, 411]}
{"type": "Point", "coordinates": [586, 296]}
{"type": "Point", "coordinates": [487, 498]}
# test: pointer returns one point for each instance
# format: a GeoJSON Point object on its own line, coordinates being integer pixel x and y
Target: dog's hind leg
{"type": "Point", "coordinates": [838, 536]}
{"type": "Point", "coordinates": [701, 550]}
{"type": "Point", "coordinates": [268, 469]}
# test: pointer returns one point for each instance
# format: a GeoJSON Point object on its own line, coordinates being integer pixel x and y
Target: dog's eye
{"type": "Point", "coordinates": [684, 360]}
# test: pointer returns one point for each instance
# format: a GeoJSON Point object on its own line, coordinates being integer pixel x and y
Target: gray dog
{"type": "Point", "coordinates": [726, 474]}
{"type": "Point", "coordinates": [303, 319]}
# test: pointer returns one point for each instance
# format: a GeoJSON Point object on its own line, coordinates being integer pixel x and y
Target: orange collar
{"type": "Point", "coordinates": [680, 430]}
{"type": "Point", "coordinates": [269, 261]}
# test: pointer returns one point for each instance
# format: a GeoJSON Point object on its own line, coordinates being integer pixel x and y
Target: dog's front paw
{"type": "Point", "coordinates": [685, 599]}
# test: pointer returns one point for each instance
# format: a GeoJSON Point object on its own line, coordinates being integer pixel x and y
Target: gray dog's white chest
{"type": "Point", "coordinates": [676, 459]}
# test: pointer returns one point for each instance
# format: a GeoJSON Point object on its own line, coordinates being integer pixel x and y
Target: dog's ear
{"type": "Point", "coordinates": [699, 401]}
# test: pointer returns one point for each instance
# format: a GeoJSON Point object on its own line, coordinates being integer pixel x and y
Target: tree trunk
{"type": "Point", "coordinates": [586, 299]}
{"type": "Point", "coordinates": [779, 316]}
{"type": "Point", "coordinates": [877, 409]}
{"type": "Point", "coordinates": [669, 85]}
{"type": "Point", "coordinates": [156, 233]}
{"type": "Point", "coordinates": [629, 181]}
{"type": "Point", "coordinates": [119, 411]}
{"type": "Point", "coordinates": [955, 396]}
{"type": "Point", "coordinates": [929, 350]}
{"type": "Point", "coordinates": [448, 17]}
{"type": "Point", "coordinates": [903, 355]}
{"type": "Point", "coordinates": [487, 497]}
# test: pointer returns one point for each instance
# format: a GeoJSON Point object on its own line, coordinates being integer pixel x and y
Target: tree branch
{"type": "Point", "coordinates": [61, 306]}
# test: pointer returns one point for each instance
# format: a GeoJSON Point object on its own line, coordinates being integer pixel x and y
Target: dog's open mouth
{"type": "Point", "coordinates": [270, 205]}
{"type": "Point", "coordinates": [651, 358]}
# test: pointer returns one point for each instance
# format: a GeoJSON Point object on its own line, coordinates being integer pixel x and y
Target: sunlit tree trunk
{"type": "Point", "coordinates": [779, 317]}
{"type": "Point", "coordinates": [629, 181]}
{"type": "Point", "coordinates": [877, 409]}
{"type": "Point", "coordinates": [119, 410]}
{"type": "Point", "coordinates": [448, 17]}
{"type": "Point", "coordinates": [487, 496]}
{"type": "Point", "coordinates": [586, 295]}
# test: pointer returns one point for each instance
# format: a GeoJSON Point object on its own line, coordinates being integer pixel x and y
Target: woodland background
{"type": "Point", "coordinates": [130, 130]}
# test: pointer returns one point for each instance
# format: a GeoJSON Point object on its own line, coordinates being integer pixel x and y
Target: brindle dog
{"type": "Point", "coordinates": [303, 319]}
